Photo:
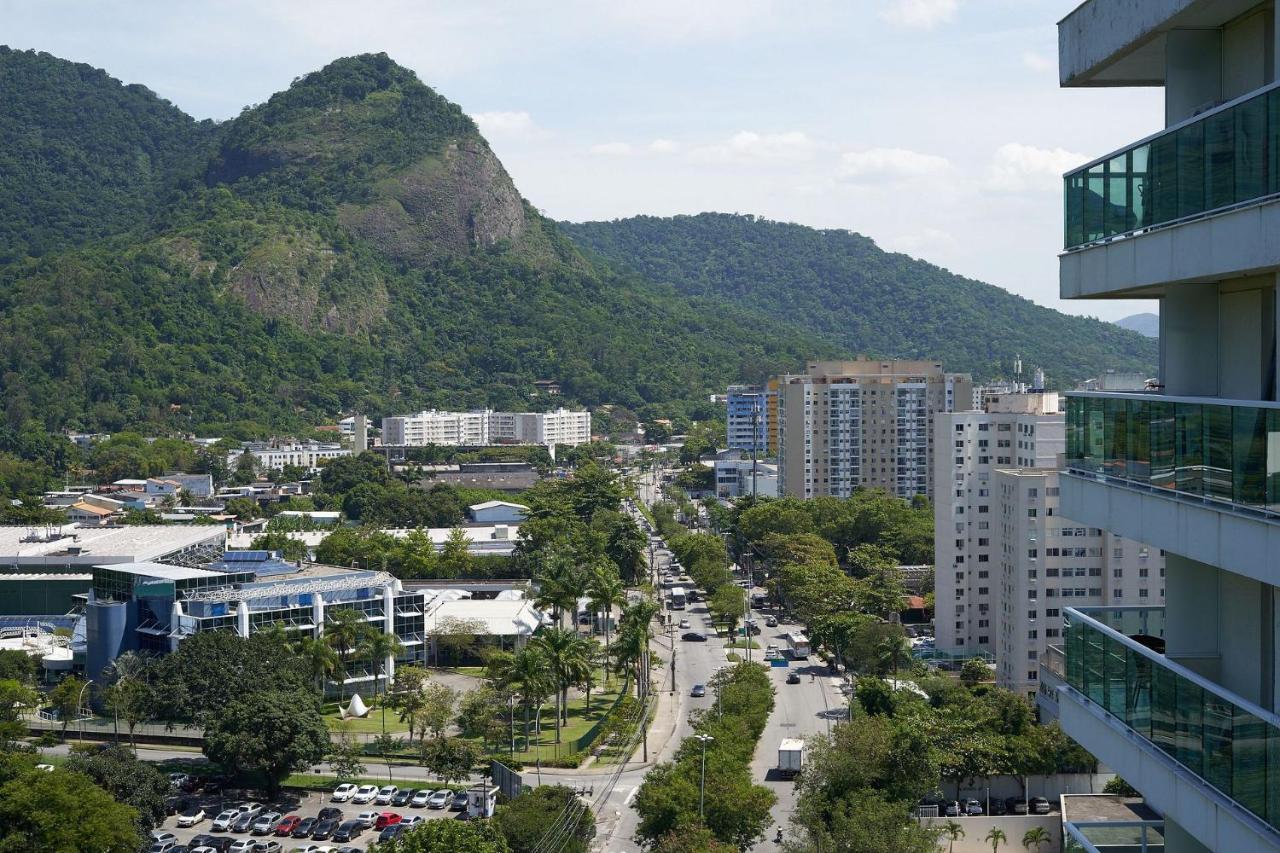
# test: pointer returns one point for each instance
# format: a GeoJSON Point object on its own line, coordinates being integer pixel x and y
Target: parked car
{"type": "Point", "coordinates": [440, 798]}
{"type": "Point", "coordinates": [1040, 805]}
{"type": "Point", "coordinates": [997, 808]}
{"type": "Point", "coordinates": [202, 848]}
{"type": "Point", "coordinates": [793, 677]}
{"type": "Point", "coordinates": [175, 805]}
{"type": "Point", "coordinates": [220, 844]}
{"type": "Point", "coordinates": [176, 779]}
{"type": "Point", "coordinates": [324, 829]}
{"type": "Point", "coordinates": [268, 847]}
{"type": "Point", "coordinates": [367, 819]}
{"type": "Point", "coordinates": [287, 824]}
{"type": "Point", "coordinates": [420, 797]}
{"type": "Point", "coordinates": [191, 816]}
{"type": "Point", "coordinates": [348, 830]}
{"type": "Point", "coordinates": [694, 637]}
{"type": "Point", "coordinates": [386, 794]}
{"type": "Point", "coordinates": [212, 786]}
{"type": "Point", "coordinates": [698, 691]}
{"type": "Point", "coordinates": [389, 833]}
{"type": "Point", "coordinates": [365, 794]}
{"type": "Point", "coordinates": [459, 801]}
{"type": "Point", "coordinates": [223, 821]}
{"type": "Point", "coordinates": [386, 819]}
{"type": "Point", "coordinates": [344, 792]}
{"type": "Point", "coordinates": [250, 808]}
{"type": "Point", "coordinates": [402, 797]}
{"type": "Point", "coordinates": [972, 807]}
{"type": "Point", "coordinates": [328, 812]}
{"type": "Point", "coordinates": [243, 845]}
{"type": "Point", "coordinates": [244, 822]}
{"type": "Point", "coordinates": [161, 847]}
{"type": "Point", "coordinates": [952, 808]}
{"type": "Point", "coordinates": [266, 823]}
{"type": "Point", "coordinates": [684, 623]}
{"type": "Point", "coordinates": [411, 821]}
{"type": "Point", "coordinates": [1015, 805]}
{"type": "Point", "coordinates": [771, 621]}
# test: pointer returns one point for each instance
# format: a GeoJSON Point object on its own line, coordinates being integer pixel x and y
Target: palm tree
{"type": "Point", "coordinates": [344, 629]}
{"type": "Point", "coordinates": [567, 658]}
{"type": "Point", "coordinates": [893, 650]}
{"type": "Point", "coordinates": [1037, 837]}
{"type": "Point", "coordinates": [380, 647]}
{"type": "Point", "coordinates": [560, 584]}
{"type": "Point", "coordinates": [953, 832]}
{"type": "Point", "coordinates": [525, 673]}
{"type": "Point", "coordinates": [997, 837]}
{"type": "Point", "coordinates": [605, 589]}
{"type": "Point", "coordinates": [320, 658]}
{"type": "Point", "coordinates": [632, 646]}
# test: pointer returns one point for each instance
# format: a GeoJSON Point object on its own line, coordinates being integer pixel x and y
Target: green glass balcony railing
{"type": "Point", "coordinates": [1114, 659]}
{"type": "Point", "coordinates": [1214, 161]}
{"type": "Point", "coordinates": [1201, 448]}
{"type": "Point", "coordinates": [1144, 836]}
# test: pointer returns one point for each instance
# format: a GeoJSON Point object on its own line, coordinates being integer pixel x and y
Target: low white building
{"type": "Point", "coordinates": [497, 512]}
{"type": "Point", "coordinates": [484, 427]}
{"type": "Point", "coordinates": [735, 478]}
{"type": "Point", "coordinates": [272, 457]}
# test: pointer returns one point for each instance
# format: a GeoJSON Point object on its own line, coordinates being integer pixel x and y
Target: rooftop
{"type": "Point", "coordinates": [499, 617]}
{"type": "Point", "coordinates": [89, 546]}
{"type": "Point", "coordinates": [164, 571]}
{"type": "Point", "coordinates": [1084, 808]}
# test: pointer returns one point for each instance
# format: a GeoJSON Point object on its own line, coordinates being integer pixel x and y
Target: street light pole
{"type": "Point", "coordinates": [80, 705]}
{"type": "Point", "coordinates": [702, 781]}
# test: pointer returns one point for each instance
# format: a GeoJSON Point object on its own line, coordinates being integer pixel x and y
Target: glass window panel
{"type": "Point", "coordinates": [1116, 674]}
{"type": "Point", "coordinates": [1074, 213]}
{"type": "Point", "coordinates": [1164, 710]}
{"type": "Point", "coordinates": [1115, 437]}
{"type": "Point", "coordinates": [1189, 447]}
{"type": "Point", "coordinates": [1273, 459]}
{"type": "Point", "coordinates": [1073, 643]}
{"type": "Point", "coordinates": [1139, 440]}
{"type": "Point", "coordinates": [1218, 724]}
{"type": "Point", "coordinates": [1094, 199]}
{"type": "Point", "coordinates": [1273, 141]}
{"type": "Point", "coordinates": [1249, 455]}
{"type": "Point", "coordinates": [1251, 148]}
{"type": "Point", "coordinates": [1163, 443]}
{"type": "Point", "coordinates": [1094, 434]}
{"type": "Point", "coordinates": [1140, 186]}
{"type": "Point", "coordinates": [1249, 762]}
{"type": "Point", "coordinates": [1217, 452]}
{"type": "Point", "coordinates": [1190, 169]}
{"type": "Point", "coordinates": [1219, 154]}
{"type": "Point", "coordinates": [1164, 178]}
{"type": "Point", "coordinates": [1094, 656]}
{"type": "Point", "coordinates": [1116, 215]}
{"type": "Point", "coordinates": [1189, 725]}
{"type": "Point", "coordinates": [1138, 697]}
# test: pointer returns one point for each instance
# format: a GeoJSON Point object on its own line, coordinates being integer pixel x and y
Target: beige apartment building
{"type": "Point", "coordinates": [845, 424]}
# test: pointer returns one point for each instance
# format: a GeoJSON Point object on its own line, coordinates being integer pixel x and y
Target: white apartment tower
{"type": "Point", "coordinates": [846, 424]}
{"type": "Point", "coordinates": [484, 427]}
{"type": "Point", "coordinates": [1005, 558]}
{"type": "Point", "coordinates": [1181, 700]}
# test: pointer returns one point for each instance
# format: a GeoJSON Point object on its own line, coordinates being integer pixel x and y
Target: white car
{"type": "Point", "coordinates": [413, 820]}
{"type": "Point", "coordinates": [223, 821]}
{"type": "Point", "coordinates": [385, 795]}
{"type": "Point", "coordinates": [160, 835]}
{"type": "Point", "coordinates": [244, 845]}
{"type": "Point", "coordinates": [249, 808]}
{"type": "Point", "coordinates": [266, 823]}
{"type": "Point", "coordinates": [344, 792]}
{"type": "Point", "coordinates": [684, 623]}
{"type": "Point", "coordinates": [191, 816]}
{"type": "Point", "coordinates": [367, 818]}
{"type": "Point", "coordinates": [420, 797]}
{"type": "Point", "coordinates": [365, 794]}
{"type": "Point", "coordinates": [440, 798]}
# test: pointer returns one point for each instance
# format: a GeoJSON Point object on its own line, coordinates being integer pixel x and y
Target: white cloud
{"type": "Point", "coordinates": [1018, 168]}
{"type": "Point", "coordinates": [747, 146]}
{"type": "Point", "coordinates": [879, 165]}
{"type": "Point", "coordinates": [663, 146]}
{"type": "Point", "coordinates": [919, 14]}
{"type": "Point", "coordinates": [509, 124]}
{"type": "Point", "coordinates": [1037, 62]}
{"type": "Point", "coordinates": [927, 242]}
{"type": "Point", "coordinates": [612, 149]}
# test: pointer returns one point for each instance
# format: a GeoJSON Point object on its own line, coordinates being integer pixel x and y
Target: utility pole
{"type": "Point", "coordinates": [755, 446]}
{"type": "Point", "coordinates": [671, 639]}
{"type": "Point", "coordinates": [702, 782]}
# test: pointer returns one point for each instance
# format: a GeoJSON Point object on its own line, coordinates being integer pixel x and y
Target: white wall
{"type": "Point", "coordinates": [976, 829]}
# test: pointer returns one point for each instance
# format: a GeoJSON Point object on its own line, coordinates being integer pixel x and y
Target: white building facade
{"type": "Point", "coordinates": [485, 427]}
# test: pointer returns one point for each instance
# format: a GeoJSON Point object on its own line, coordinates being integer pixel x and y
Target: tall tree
{"type": "Point", "coordinates": [273, 731]}
{"type": "Point", "coordinates": [380, 648]}
{"type": "Point", "coordinates": [567, 658]}
{"type": "Point", "coordinates": [344, 629]}
{"type": "Point", "coordinates": [605, 591]}
{"type": "Point", "coordinates": [64, 810]}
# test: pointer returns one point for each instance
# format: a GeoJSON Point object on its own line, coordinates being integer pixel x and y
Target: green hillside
{"type": "Point", "coordinates": [841, 286]}
{"type": "Point", "coordinates": [351, 243]}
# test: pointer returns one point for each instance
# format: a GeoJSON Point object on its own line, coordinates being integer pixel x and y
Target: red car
{"type": "Point", "coordinates": [386, 819]}
{"type": "Point", "coordinates": [288, 825]}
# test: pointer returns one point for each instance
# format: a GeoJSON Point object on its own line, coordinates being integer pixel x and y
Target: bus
{"type": "Point", "coordinates": [677, 598]}
{"type": "Point", "coordinates": [798, 645]}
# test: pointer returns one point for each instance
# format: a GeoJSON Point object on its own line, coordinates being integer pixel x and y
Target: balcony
{"type": "Point", "coordinates": [1225, 453]}
{"type": "Point", "coordinates": [1115, 663]}
{"type": "Point", "coordinates": [1222, 159]}
{"type": "Point", "coordinates": [1140, 836]}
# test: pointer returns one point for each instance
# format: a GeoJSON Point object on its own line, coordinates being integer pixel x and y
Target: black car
{"type": "Point", "coordinates": [694, 637]}
{"type": "Point", "coordinates": [402, 797]}
{"type": "Point", "coordinates": [305, 827]}
{"type": "Point", "coordinates": [389, 833]}
{"type": "Point", "coordinates": [1015, 805]}
{"type": "Point", "coordinates": [324, 829]}
{"type": "Point", "coordinates": [348, 830]}
{"type": "Point", "coordinates": [793, 677]}
{"type": "Point", "coordinates": [213, 786]}
{"type": "Point", "coordinates": [221, 843]}
{"type": "Point", "coordinates": [330, 812]}
{"type": "Point", "coordinates": [997, 808]}
{"type": "Point", "coordinates": [200, 841]}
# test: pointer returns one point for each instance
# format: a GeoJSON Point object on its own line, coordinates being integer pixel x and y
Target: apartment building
{"type": "Point", "coordinates": [845, 424]}
{"type": "Point", "coordinates": [269, 456]}
{"type": "Point", "coordinates": [1008, 558]}
{"type": "Point", "coordinates": [485, 427]}
{"type": "Point", "coordinates": [747, 418]}
{"type": "Point", "coordinates": [1181, 700]}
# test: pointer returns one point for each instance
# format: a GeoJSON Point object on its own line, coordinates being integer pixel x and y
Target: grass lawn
{"type": "Point", "coordinates": [472, 671]}
{"type": "Point", "coordinates": [733, 657]}
{"type": "Point", "coordinates": [371, 724]}
{"type": "Point", "coordinates": [580, 722]}
{"type": "Point", "coordinates": [742, 644]}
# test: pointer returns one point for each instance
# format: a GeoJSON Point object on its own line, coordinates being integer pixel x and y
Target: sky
{"type": "Point", "coordinates": [935, 127]}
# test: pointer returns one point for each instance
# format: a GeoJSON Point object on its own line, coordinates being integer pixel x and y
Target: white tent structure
{"type": "Point", "coordinates": [355, 708]}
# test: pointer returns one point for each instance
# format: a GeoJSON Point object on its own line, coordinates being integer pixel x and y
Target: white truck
{"type": "Point", "coordinates": [790, 757]}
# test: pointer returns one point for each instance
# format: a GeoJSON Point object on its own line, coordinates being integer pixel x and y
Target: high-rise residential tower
{"type": "Point", "coordinates": [747, 418]}
{"type": "Point", "coordinates": [1181, 701]}
{"type": "Point", "coordinates": [845, 424]}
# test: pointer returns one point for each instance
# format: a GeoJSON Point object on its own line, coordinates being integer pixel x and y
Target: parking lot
{"type": "Point", "coordinates": [305, 805]}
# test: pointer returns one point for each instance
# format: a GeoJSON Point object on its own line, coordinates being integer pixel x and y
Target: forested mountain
{"type": "Point", "coordinates": [843, 287]}
{"type": "Point", "coordinates": [351, 243]}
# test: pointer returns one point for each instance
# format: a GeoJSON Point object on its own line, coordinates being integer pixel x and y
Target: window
{"type": "Point", "coordinates": [1117, 573]}
{"type": "Point", "coordinates": [1117, 593]}
{"type": "Point", "coordinates": [982, 590]}
{"type": "Point", "coordinates": [1052, 612]}
{"type": "Point", "coordinates": [984, 640]}
{"type": "Point", "coordinates": [983, 623]}
{"type": "Point", "coordinates": [1031, 675]}
{"type": "Point", "coordinates": [1051, 573]}
{"type": "Point", "coordinates": [1031, 635]}
{"type": "Point", "coordinates": [1032, 553]}
{"type": "Point", "coordinates": [1095, 572]}
{"type": "Point", "coordinates": [1051, 552]}
{"type": "Point", "coordinates": [983, 541]}
{"type": "Point", "coordinates": [983, 508]}
{"type": "Point", "coordinates": [982, 558]}
{"type": "Point", "coordinates": [1142, 573]}
{"type": "Point", "coordinates": [1031, 594]}
{"type": "Point", "coordinates": [1117, 552]}
{"type": "Point", "coordinates": [1052, 632]}
{"type": "Point", "coordinates": [1142, 593]}
{"type": "Point", "coordinates": [1032, 655]}
{"type": "Point", "coordinates": [1032, 493]}
{"type": "Point", "coordinates": [982, 574]}
{"type": "Point", "coordinates": [1031, 513]}
{"type": "Point", "coordinates": [1031, 614]}
{"type": "Point", "coordinates": [959, 627]}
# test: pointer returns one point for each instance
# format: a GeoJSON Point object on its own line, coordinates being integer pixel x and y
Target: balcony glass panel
{"type": "Point", "coordinates": [1113, 659]}
{"type": "Point", "coordinates": [1226, 157]}
{"type": "Point", "coordinates": [1209, 450]}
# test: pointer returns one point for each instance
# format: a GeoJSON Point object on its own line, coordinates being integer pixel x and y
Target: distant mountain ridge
{"type": "Point", "coordinates": [1144, 324]}
{"type": "Point", "coordinates": [846, 289]}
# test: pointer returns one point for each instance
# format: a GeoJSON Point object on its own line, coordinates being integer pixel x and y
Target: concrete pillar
{"type": "Point", "coordinates": [317, 613]}
{"type": "Point", "coordinates": [1193, 73]}
{"type": "Point", "coordinates": [1191, 614]}
{"type": "Point", "coordinates": [1240, 333]}
{"type": "Point", "coordinates": [389, 625]}
{"type": "Point", "coordinates": [1189, 340]}
{"type": "Point", "coordinates": [242, 619]}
